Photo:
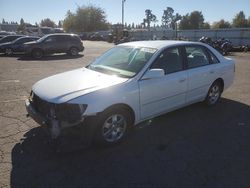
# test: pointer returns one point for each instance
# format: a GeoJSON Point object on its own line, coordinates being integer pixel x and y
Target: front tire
{"type": "Point", "coordinates": [37, 53]}
{"type": "Point", "coordinates": [214, 94]}
{"type": "Point", "coordinates": [113, 126]}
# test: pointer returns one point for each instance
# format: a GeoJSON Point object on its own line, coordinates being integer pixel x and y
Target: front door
{"type": "Point", "coordinates": [166, 93]}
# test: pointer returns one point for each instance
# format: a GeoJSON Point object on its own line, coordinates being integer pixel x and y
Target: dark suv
{"type": "Point", "coordinates": [55, 43]}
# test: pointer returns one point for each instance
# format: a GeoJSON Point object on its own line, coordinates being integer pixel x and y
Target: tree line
{"type": "Point", "coordinates": [193, 20]}
{"type": "Point", "coordinates": [92, 18]}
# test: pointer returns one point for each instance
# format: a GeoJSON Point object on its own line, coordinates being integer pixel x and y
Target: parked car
{"type": "Point", "coordinates": [83, 36]}
{"type": "Point", "coordinates": [10, 38]}
{"type": "Point", "coordinates": [128, 84]}
{"type": "Point", "coordinates": [54, 43]}
{"type": "Point", "coordinates": [5, 33]}
{"type": "Point", "coordinates": [96, 37]}
{"type": "Point", "coordinates": [16, 46]}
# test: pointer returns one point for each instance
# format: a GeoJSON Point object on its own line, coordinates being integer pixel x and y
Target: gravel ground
{"type": "Point", "coordinates": [193, 147]}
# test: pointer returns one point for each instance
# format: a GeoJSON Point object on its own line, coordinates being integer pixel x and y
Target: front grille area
{"type": "Point", "coordinates": [41, 105]}
{"type": "Point", "coordinates": [68, 112]}
{"type": "Point", "coordinates": [63, 112]}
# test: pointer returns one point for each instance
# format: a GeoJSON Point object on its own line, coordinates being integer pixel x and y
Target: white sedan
{"type": "Point", "coordinates": [128, 84]}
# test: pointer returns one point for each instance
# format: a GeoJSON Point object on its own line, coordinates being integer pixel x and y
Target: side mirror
{"type": "Point", "coordinates": [153, 73]}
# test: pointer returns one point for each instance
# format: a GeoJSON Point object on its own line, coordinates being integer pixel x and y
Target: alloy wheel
{"type": "Point", "coordinates": [214, 94]}
{"type": "Point", "coordinates": [114, 128]}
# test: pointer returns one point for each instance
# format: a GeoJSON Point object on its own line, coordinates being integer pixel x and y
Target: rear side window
{"type": "Point", "coordinates": [196, 56]}
{"type": "Point", "coordinates": [62, 38]}
{"type": "Point", "coordinates": [76, 38]}
{"type": "Point", "coordinates": [67, 38]}
{"type": "Point", "coordinates": [170, 60]}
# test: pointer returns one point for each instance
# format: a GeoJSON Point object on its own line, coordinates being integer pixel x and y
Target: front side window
{"type": "Point", "coordinates": [170, 60]}
{"type": "Point", "coordinates": [50, 39]}
{"type": "Point", "coordinates": [196, 56]}
{"type": "Point", "coordinates": [42, 38]}
{"type": "Point", "coordinates": [124, 61]}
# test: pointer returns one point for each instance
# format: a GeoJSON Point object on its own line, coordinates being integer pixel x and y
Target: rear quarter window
{"type": "Point", "coordinates": [76, 38]}
{"type": "Point", "coordinates": [213, 58]}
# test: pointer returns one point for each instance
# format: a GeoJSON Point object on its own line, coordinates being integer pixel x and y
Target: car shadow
{"type": "Point", "coordinates": [196, 146]}
{"type": "Point", "coordinates": [50, 57]}
{"type": "Point", "coordinates": [13, 55]}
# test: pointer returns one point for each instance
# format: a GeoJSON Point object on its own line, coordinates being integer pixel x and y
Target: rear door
{"type": "Point", "coordinates": [63, 42]}
{"type": "Point", "coordinates": [201, 72]}
{"type": "Point", "coordinates": [166, 93]}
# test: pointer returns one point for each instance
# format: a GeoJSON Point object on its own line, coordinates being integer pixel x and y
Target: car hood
{"type": "Point", "coordinates": [66, 86]}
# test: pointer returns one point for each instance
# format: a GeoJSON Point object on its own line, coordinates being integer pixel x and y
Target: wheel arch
{"type": "Point", "coordinates": [73, 46]}
{"type": "Point", "coordinates": [5, 50]}
{"type": "Point", "coordinates": [9, 48]}
{"type": "Point", "coordinates": [124, 106]}
{"type": "Point", "coordinates": [221, 81]}
{"type": "Point", "coordinates": [37, 48]}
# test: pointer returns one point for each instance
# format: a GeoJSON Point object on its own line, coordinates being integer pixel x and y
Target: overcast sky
{"type": "Point", "coordinates": [34, 10]}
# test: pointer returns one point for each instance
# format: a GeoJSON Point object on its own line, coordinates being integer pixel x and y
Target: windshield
{"type": "Point", "coordinates": [123, 61]}
{"type": "Point", "coordinates": [8, 39]}
{"type": "Point", "coordinates": [19, 40]}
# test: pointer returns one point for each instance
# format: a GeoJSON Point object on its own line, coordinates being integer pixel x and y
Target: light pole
{"type": "Point", "coordinates": [176, 29]}
{"type": "Point", "coordinates": [123, 1]}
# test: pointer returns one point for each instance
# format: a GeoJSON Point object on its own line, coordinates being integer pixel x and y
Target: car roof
{"type": "Point", "coordinates": [28, 37]}
{"type": "Point", "coordinates": [14, 36]}
{"type": "Point", "coordinates": [158, 44]}
{"type": "Point", "coordinates": [61, 34]}
{"type": "Point", "coordinates": [20, 38]}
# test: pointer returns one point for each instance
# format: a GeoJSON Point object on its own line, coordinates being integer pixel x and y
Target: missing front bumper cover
{"type": "Point", "coordinates": [54, 125]}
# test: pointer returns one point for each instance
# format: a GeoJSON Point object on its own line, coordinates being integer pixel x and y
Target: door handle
{"type": "Point", "coordinates": [182, 80]}
{"type": "Point", "coordinates": [211, 72]}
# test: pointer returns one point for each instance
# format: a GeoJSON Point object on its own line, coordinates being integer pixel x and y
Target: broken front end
{"type": "Point", "coordinates": [55, 117]}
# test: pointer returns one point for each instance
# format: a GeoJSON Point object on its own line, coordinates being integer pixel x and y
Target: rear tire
{"type": "Point", "coordinates": [214, 94]}
{"type": "Point", "coordinates": [37, 53]}
{"type": "Point", "coordinates": [73, 51]}
{"type": "Point", "coordinates": [8, 51]}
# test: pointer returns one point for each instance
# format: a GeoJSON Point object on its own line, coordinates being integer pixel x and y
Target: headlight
{"type": "Point", "coordinates": [31, 96]}
{"type": "Point", "coordinates": [83, 108]}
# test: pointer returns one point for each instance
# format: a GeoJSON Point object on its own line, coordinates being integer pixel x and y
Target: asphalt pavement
{"type": "Point", "coordinates": [196, 146]}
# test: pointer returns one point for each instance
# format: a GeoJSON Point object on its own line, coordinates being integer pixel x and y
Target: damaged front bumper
{"type": "Point", "coordinates": [52, 124]}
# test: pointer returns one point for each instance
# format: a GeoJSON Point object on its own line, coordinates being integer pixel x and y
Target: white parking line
{"type": "Point", "coordinates": [10, 81]}
{"type": "Point", "coordinates": [22, 98]}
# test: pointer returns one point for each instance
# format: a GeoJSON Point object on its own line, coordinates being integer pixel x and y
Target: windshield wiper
{"type": "Point", "coordinates": [101, 69]}
{"type": "Point", "coordinates": [107, 71]}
